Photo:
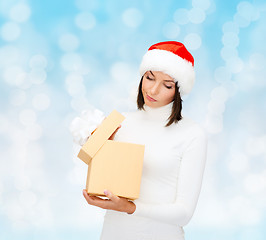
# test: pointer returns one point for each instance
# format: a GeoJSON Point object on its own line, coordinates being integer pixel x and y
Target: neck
{"type": "Point", "coordinates": [158, 114]}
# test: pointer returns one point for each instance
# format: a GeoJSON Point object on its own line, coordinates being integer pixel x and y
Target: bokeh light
{"type": "Point", "coordinates": [38, 61]}
{"type": "Point", "coordinates": [10, 31]}
{"type": "Point", "coordinates": [20, 12]}
{"type": "Point", "coordinates": [85, 21]}
{"type": "Point", "coordinates": [202, 4]}
{"type": "Point", "coordinates": [192, 41]}
{"type": "Point", "coordinates": [68, 42]}
{"type": "Point", "coordinates": [171, 30]}
{"type": "Point", "coordinates": [196, 15]}
{"type": "Point", "coordinates": [132, 17]}
{"type": "Point", "coordinates": [181, 16]}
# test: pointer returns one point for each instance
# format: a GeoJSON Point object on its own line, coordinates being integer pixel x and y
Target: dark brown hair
{"type": "Point", "coordinates": [175, 115]}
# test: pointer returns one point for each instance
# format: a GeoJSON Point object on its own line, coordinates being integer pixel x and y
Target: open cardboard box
{"type": "Point", "coordinates": [112, 165]}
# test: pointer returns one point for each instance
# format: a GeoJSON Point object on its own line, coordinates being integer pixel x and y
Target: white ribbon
{"type": "Point", "coordinates": [82, 127]}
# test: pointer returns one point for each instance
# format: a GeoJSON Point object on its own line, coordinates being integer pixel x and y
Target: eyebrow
{"type": "Point", "coordinates": [152, 73]}
{"type": "Point", "coordinates": [164, 80]}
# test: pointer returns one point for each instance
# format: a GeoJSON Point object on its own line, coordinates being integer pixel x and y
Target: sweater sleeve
{"type": "Point", "coordinates": [188, 187]}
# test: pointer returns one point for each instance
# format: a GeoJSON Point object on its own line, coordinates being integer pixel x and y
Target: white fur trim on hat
{"type": "Point", "coordinates": [176, 67]}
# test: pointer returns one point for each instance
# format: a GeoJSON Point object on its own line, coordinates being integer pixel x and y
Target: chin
{"type": "Point", "coordinates": [152, 105]}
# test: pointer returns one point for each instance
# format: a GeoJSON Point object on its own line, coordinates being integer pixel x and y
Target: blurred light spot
{"type": "Point", "coordinates": [125, 51]}
{"type": "Point", "coordinates": [216, 107]}
{"type": "Point", "coordinates": [231, 87]}
{"type": "Point", "coordinates": [214, 123]}
{"type": "Point", "coordinates": [202, 4]}
{"type": "Point", "coordinates": [171, 30]}
{"type": "Point", "coordinates": [230, 39]}
{"type": "Point", "coordinates": [85, 21]}
{"type": "Point", "coordinates": [230, 27]}
{"type": "Point", "coordinates": [71, 62]}
{"type": "Point", "coordinates": [248, 11]}
{"type": "Point", "coordinates": [132, 17]}
{"type": "Point", "coordinates": [192, 41]}
{"type": "Point", "coordinates": [75, 89]}
{"type": "Point", "coordinates": [257, 61]}
{"type": "Point", "coordinates": [25, 81]}
{"type": "Point", "coordinates": [256, 146]}
{"type": "Point", "coordinates": [10, 31]}
{"type": "Point", "coordinates": [22, 182]}
{"type": "Point", "coordinates": [38, 61]}
{"type": "Point", "coordinates": [76, 176]}
{"type": "Point", "coordinates": [251, 233]}
{"type": "Point", "coordinates": [238, 163]}
{"type": "Point", "coordinates": [41, 102]}
{"type": "Point", "coordinates": [20, 224]}
{"type": "Point", "coordinates": [72, 77]}
{"type": "Point", "coordinates": [245, 212]}
{"type": "Point", "coordinates": [241, 21]}
{"type": "Point", "coordinates": [119, 70]}
{"type": "Point", "coordinates": [4, 123]}
{"type": "Point", "coordinates": [245, 80]}
{"type": "Point", "coordinates": [228, 52]}
{"type": "Point", "coordinates": [34, 132]}
{"type": "Point", "coordinates": [74, 85]}
{"type": "Point", "coordinates": [68, 42]}
{"type": "Point", "coordinates": [37, 75]}
{"type": "Point", "coordinates": [255, 183]}
{"type": "Point", "coordinates": [234, 64]}
{"type": "Point", "coordinates": [14, 211]}
{"type": "Point", "coordinates": [27, 199]}
{"type": "Point", "coordinates": [85, 5]}
{"type": "Point", "coordinates": [42, 208]}
{"type": "Point", "coordinates": [80, 103]}
{"type": "Point", "coordinates": [220, 93]}
{"type": "Point", "coordinates": [14, 75]}
{"type": "Point", "coordinates": [27, 117]}
{"type": "Point", "coordinates": [1, 188]}
{"type": "Point", "coordinates": [196, 15]}
{"type": "Point", "coordinates": [181, 16]}
{"type": "Point", "coordinates": [9, 55]}
{"type": "Point", "coordinates": [17, 97]}
{"type": "Point", "coordinates": [212, 8]}
{"type": "Point", "coordinates": [20, 12]}
{"type": "Point", "coordinates": [35, 157]}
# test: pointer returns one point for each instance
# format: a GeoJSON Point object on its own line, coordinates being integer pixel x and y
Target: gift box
{"type": "Point", "coordinates": [112, 165]}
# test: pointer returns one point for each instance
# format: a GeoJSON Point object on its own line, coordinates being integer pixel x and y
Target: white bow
{"type": "Point", "coordinates": [82, 127]}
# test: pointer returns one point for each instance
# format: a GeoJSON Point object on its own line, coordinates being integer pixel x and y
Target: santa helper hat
{"type": "Point", "coordinates": [173, 59]}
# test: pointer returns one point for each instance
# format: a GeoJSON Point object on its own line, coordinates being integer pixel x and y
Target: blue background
{"type": "Point", "coordinates": [58, 58]}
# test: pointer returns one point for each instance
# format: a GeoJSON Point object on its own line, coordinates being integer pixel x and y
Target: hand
{"type": "Point", "coordinates": [113, 135]}
{"type": "Point", "coordinates": [113, 202]}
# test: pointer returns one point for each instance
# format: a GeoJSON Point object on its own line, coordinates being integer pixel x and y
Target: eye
{"type": "Point", "coordinates": [148, 77]}
{"type": "Point", "coordinates": [169, 87]}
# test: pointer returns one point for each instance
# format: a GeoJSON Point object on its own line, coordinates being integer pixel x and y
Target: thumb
{"type": "Point", "coordinates": [111, 196]}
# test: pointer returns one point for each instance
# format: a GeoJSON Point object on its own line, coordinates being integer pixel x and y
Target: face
{"type": "Point", "coordinates": [158, 89]}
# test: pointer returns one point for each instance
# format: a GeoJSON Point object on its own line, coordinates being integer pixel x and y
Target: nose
{"type": "Point", "coordinates": [155, 89]}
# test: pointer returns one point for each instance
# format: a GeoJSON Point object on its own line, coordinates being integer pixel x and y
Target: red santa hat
{"type": "Point", "coordinates": [173, 59]}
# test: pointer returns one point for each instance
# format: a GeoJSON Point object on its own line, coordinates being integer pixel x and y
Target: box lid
{"type": "Point", "coordinates": [100, 136]}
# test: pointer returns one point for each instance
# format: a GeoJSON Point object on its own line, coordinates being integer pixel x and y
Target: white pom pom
{"type": "Point", "coordinates": [81, 127]}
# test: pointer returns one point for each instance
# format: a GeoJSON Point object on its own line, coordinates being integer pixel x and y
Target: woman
{"type": "Point", "coordinates": [175, 152]}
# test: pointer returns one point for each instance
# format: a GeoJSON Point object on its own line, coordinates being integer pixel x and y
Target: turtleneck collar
{"type": "Point", "coordinates": [158, 114]}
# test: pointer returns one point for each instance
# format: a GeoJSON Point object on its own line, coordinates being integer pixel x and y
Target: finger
{"type": "Point", "coordinates": [113, 134]}
{"type": "Point", "coordinates": [87, 197]}
{"type": "Point", "coordinates": [95, 201]}
{"type": "Point", "coordinates": [111, 196]}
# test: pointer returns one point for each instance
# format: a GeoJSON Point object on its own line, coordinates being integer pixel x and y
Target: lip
{"type": "Point", "coordinates": [150, 98]}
